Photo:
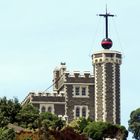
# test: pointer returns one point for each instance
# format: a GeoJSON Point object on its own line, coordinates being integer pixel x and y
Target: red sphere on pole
{"type": "Point", "coordinates": [106, 43]}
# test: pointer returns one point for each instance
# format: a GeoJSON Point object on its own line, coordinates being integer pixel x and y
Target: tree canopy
{"type": "Point", "coordinates": [27, 116]}
{"type": "Point", "coordinates": [7, 134]}
{"type": "Point", "coordinates": [50, 126]}
{"type": "Point", "coordinates": [100, 130]}
{"type": "Point", "coordinates": [134, 123]}
{"type": "Point", "coordinates": [79, 124]}
{"type": "Point", "coordinates": [8, 110]}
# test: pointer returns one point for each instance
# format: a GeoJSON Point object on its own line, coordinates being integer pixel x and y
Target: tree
{"type": "Point", "coordinates": [49, 122]}
{"type": "Point", "coordinates": [100, 130]}
{"type": "Point", "coordinates": [7, 134]}
{"type": "Point", "coordinates": [79, 124]}
{"type": "Point", "coordinates": [8, 110]}
{"type": "Point", "coordinates": [134, 123]}
{"type": "Point", "coordinates": [27, 116]}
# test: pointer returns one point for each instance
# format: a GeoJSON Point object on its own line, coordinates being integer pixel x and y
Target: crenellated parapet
{"type": "Point", "coordinates": [77, 77]}
{"type": "Point", "coordinates": [107, 56]}
{"type": "Point", "coordinates": [62, 77]}
{"type": "Point", "coordinates": [77, 74]}
{"type": "Point", "coordinates": [42, 95]}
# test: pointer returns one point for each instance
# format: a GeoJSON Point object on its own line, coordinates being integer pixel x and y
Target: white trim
{"type": "Point", "coordinates": [81, 107]}
{"type": "Point", "coordinates": [66, 100]}
{"type": "Point", "coordinates": [96, 106]}
{"type": "Point", "coordinates": [79, 84]}
{"type": "Point", "coordinates": [42, 102]}
{"type": "Point", "coordinates": [46, 107]}
{"type": "Point", "coordinates": [107, 51]}
{"type": "Point", "coordinates": [80, 91]}
{"type": "Point", "coordinates": [80, 96]}
{"type": "Point", "coordinates": [107, 59]}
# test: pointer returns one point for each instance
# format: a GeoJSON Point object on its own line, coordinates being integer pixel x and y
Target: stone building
{"type": "Point", "coordinates": [72, 96]}
{"type": "Point", "coordinates": [85, 95]}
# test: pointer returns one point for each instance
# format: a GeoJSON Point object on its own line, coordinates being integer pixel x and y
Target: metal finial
{"type": "Point", "coordinates": [106, 15]}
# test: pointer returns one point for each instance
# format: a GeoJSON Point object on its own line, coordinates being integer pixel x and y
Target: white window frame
{"type": "Point", "coordinates": [80, 91]}
{"type": "Point", "coordinates": [43, 109]}
{"type": "Point", "coordinates": [80, 108]}
{"type": "Point", "coordinates": [47, 106]}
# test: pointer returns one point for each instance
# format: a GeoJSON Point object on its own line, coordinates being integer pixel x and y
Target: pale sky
{"type": "Point", "coordinates": [36, 35]}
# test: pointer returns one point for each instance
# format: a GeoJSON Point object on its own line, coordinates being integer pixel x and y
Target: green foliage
{"type": "Point", "coordinates": [49, 120]}
{"type": "Point", "coordinates": [79, 124]}
{"type": "Point", "coordinates": [27, 116]}
{"type": "Point", "coordinates": [8, 111]}
{"type": "Point", "coordinates": [134, 123]}
{"type": "Point", "coordinates": [7, 134]}
{"type": "Point", "coordinates": [100, 130]}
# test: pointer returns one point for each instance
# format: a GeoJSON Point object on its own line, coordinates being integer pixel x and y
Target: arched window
{"type": "Point", "coordinates": [49, 109]}
{"type": "Point", "coordinates": [43, 109]}
{"type": "Point", "coordinates": [84, 112]}
{"type": "Point", "coordinates": [77, 112]}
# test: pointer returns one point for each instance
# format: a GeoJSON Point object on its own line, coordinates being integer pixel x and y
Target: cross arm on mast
{"type": "Point", "coordinates": [106, 15]}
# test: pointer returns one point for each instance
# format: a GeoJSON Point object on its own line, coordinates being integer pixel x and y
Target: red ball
{"type": "Point", "coordinates": [107, 43]}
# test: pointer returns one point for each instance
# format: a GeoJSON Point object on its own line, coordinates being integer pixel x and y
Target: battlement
{"type": "Point", "coordinates": [33, 94]}
{"type": "Point", "coordinates": [48, 94]}
{"type": "Point", "coordinates": [62, 76]}
{"type": "Point", "coordinates": [107, 56]}
{"type": "Point", "coordinates": [78, 74]}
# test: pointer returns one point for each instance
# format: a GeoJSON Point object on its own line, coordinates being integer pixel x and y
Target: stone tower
{"type": "Point", "coordinates": [107, 80]}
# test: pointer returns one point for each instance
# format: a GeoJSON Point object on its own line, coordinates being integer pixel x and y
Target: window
{"type": "Point", "coordinates": [83, 91]}
{"type": "Point", "coordinates": [80, 91]}
{"type": "Point", "coordinates": [81, 111]}
{"type": "Point", "coordinates": [77, 91]}
{"type": "Point", "coordinates": [84, 112]}
{"type": "Point", "coordinates": [43, 109]}
{"type": "Point", "coordinates": [77, 112]}
{"type": "Point", "coordinates": [49, 109]}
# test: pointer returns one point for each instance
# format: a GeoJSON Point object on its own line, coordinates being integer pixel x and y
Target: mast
{"type": "Point", "coordinates": [106, 15]}
{"type": "Point", "coordinates": [106, 42]}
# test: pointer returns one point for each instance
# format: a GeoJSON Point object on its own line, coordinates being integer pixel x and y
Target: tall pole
{"type": "Point", "coordinates": [106, 19]}
{"type": "Point", "coordinates": [106, 15]}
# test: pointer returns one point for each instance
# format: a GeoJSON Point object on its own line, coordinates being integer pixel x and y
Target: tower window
{"type": "Point", "coordinates": [83, 91]}
{"type": "Point", "coordinates": [80, 91]}
{"type": "Point", "coordinates": [77, 91]}
{"type": "Point", "coordinates": [43, 109]}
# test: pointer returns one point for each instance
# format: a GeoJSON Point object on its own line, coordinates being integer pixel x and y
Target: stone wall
{"type": "Point", "coordinates": [59, 109]}
{"type": "Point", "coordinates": [109, 92]}
{"type": "Point", "coordinates": [118, 94]}
{"type": "Point", "coordinates": [99, 92]}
